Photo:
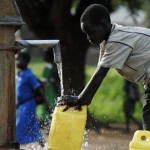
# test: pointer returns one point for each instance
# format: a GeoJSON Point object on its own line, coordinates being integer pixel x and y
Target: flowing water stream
{"type": "Point", "coordinates": [60, 73]}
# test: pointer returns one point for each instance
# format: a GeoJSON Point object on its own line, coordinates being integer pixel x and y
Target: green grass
{"type": "Point", "coordinates": [107, 104]}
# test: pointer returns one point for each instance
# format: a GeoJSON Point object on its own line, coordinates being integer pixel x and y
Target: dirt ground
{"type": "Point", "coordinates": [106, 139]}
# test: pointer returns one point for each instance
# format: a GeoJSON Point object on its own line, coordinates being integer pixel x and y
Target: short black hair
{"type": "Point", "coordinates": [95, 13]}
{"type": "Point", "coordinates": [25, 56]}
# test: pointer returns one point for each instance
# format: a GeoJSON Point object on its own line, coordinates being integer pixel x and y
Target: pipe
{"type": "Point", "coordinates": [55, 44]}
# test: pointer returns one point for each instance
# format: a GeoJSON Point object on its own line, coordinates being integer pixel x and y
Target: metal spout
{"type": "Point", "coordinates": [55, 44]}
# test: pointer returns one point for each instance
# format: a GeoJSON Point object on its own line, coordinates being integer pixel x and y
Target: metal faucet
{"type": "Point", "coordinates": [55, 44]}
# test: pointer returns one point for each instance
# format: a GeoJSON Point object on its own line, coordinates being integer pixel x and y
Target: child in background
{"type": "Point", "coordinates": [27, 89]}
{"type": "Point", "coordinates": [132, 96]}
{"type": "Point", "coordinates": [50, 80]}
{"type": "Point", "coordinates": [127, 49]}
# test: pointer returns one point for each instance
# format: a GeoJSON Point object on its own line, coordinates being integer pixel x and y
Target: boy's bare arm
{"type": "Point", "coordinates": [88, 92]}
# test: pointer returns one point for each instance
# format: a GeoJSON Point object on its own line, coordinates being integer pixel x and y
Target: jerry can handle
{"type": "Point", "coordinates": [141, 133]}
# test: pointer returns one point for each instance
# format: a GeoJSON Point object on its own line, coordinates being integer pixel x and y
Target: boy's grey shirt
{"type": "Point", "coordinates": [128, 51]}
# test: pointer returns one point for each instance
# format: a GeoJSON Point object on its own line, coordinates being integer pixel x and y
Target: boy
{"type": "Point", "coordinates": [127, 49]}
{"type": "Point", "coordinates": [27, 89]}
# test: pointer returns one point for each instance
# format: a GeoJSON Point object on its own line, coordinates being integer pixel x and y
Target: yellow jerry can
{"type": "Point", "coordinates": [140, 141]}
{"type": "Point", "coordinates": [67, 129]}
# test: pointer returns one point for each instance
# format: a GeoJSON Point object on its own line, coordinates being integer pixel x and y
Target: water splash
{"type": "Point", "coordinates": [85, 140]}
{"type": "Point", "coordinates": [33, 146]}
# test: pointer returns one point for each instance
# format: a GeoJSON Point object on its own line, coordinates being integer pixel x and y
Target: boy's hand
{"type": "Point", "coordinates": [69, 101]}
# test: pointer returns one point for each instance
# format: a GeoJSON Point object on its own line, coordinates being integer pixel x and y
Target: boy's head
{"type": "Point", "coordinates": [22, 60]}
{"type": "Point", "coordinates": [96, 23]}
